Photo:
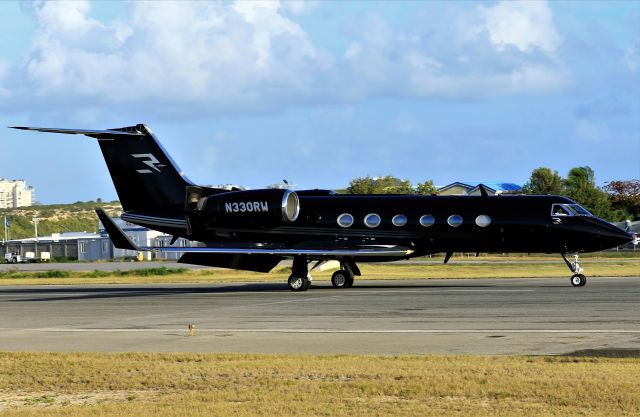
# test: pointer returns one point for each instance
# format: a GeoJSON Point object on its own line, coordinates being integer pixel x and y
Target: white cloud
{"type": "Point", "coordinates": [509, 48]}
{"type": "Point", "coordinates": [526, 25]}
{"type": "Point", "coordinates": [199, 58]}
{"type": "Point", "coordinates": [218, 54]}
{"type": "Point", "coordinates": [298, 7]}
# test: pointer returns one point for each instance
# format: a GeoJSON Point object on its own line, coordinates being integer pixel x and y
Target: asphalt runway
{"type": "Point", "coordinates": [480, 316]}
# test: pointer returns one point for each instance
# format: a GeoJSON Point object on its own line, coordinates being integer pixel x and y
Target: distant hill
{"type": "Point", "coordinates": [56, 218]}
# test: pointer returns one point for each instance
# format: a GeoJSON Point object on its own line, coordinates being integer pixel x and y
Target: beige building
{"type": "Point", "coordinates": [15, 193]}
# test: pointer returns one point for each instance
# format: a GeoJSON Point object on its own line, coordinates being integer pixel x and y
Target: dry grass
{"type": "Point", "coordinates": [46, 384]}
{"type": "Point", "coordinates": [609, 268]}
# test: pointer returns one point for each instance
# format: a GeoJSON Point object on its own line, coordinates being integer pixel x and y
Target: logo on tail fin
{"type": "Point", "coordinates": [151, 162]}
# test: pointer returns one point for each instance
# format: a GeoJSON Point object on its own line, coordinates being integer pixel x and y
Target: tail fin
{"type": "Point", "coordinates": [145, 176]}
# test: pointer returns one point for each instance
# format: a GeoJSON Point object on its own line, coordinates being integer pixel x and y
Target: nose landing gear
{"type": "Point", "coordinates": [577, 279]}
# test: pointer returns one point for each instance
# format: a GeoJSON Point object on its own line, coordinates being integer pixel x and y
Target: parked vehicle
{"type": "Point", "coordinates": [12, 258]}
{"type": "Point", "coordinates": [30, 257]}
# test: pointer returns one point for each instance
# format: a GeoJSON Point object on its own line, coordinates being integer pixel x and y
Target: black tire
{"type": "Point", "coordinates": [578, 280]}
{"type": "Point", "coordinates": [350, 282]}
{"type": "Point", "coordinates": [14, 260]}
{"type": "Point", "coordinates": [298, 283]}
{"type": "Point", "coordinates": [340, 279]}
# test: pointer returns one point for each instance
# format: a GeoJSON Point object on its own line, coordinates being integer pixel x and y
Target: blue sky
{"type": "Point", "coordinates": [322, 92]}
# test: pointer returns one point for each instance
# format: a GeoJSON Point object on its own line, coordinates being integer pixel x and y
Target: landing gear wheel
{"type": "Point", "coordinates": [578, 280]}
{"type": "Point", "coordinates": [350, 281]}
{"type": "Point", "coordinates": [298, 283]}
{"type": "Point", "coordinates": [340, 279]}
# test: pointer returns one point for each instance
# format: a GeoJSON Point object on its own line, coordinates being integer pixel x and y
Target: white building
{"type": "Point", "coordinates": [15, 193]}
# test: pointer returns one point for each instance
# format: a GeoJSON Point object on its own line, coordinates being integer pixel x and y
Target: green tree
{"type": "Point", "coordinates": [544, 181]}
{"type": "Point", "coordinates": [426, 188]}
{"type": "Point", "coordinates": [625, 196]}
{"type": "Point", "coordinates": [581, 187]}
{"type": "Point", "coordinates": [380, 185]}
{"type": "Point", "coordinates": [361, 185]}
{"type": "Point", "coordinates": [392, 185]}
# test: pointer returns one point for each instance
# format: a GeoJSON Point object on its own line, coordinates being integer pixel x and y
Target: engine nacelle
{"type": "Point", "coordinates": [270, 207]}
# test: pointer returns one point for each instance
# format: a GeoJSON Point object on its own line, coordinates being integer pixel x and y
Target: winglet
{"type": "Point", "coordinates": [118, 237]}
{"type": "Point", "coordinates": [483, 190]}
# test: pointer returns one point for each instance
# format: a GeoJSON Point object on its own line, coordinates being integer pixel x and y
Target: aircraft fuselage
{"type": "Point", "coordinates": [427, 224]}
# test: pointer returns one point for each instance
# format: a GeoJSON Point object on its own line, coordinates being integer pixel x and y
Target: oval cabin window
{"type": "Point", "coordinates": [372, 220]}
{"type": "Point", "coordinates": [427, 220]}
{"type": "Point", "coordinates": [345, 220]}
{"type": "Point", "coordinates": [454, 220]}
{"type": "Point", "coordinates": [399, 220]}
{"type": "Point", "coordinates": [483, 220]}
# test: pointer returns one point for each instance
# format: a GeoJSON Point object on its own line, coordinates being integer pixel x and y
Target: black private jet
{"type": "Point", "coordinates": [254, 230]}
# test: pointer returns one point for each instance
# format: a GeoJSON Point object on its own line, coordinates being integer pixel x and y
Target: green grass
{"type": "Point", "coordinates": [57, 273]}
{"type": "Point", "coordinates": [83, 384]}
{"type": "Point", "coordinates": [610, 268]}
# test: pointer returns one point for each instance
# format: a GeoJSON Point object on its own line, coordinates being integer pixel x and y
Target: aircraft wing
{"type": "Point", "coordinates": [358, 251]}
{"type": "Point", "coordinates": [122, 241]}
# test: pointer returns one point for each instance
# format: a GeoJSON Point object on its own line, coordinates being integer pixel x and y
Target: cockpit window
{"type": "Point", "coordinates": [569, 210]}
{"type": "Point", "coordinates": [560, 210]}
{"type": "Point", "coordinates": [578, 210]}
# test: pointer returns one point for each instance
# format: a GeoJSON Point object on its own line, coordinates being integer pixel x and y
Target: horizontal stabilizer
{"type": "Point", "coordinates": [92, 133]}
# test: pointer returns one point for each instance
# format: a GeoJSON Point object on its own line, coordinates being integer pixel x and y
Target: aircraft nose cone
{"type": "Point", "coordinates": [624, 238]}
{"type": "Point", "coordinates": [616, 237]}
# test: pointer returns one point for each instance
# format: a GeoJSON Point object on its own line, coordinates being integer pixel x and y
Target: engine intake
{"type": "Point", "coordinates": [253, 207]}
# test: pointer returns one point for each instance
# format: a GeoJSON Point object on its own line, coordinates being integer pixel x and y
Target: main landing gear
{"type": "Point", "coordinates": [345, 277]}
{"type": "Point", "coordinates": [577, 279]}
{"type": "Point", "coordinates": [299, 283]}
{"type": "Point", "coordinates": [300, 279]}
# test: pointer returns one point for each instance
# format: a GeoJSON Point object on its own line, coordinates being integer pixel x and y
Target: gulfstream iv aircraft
{"type": "Point", "coordinates": [256, 229]}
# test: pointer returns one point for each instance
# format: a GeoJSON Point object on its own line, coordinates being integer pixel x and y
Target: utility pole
{"type": "Point", "coordinates": [35, 221]}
